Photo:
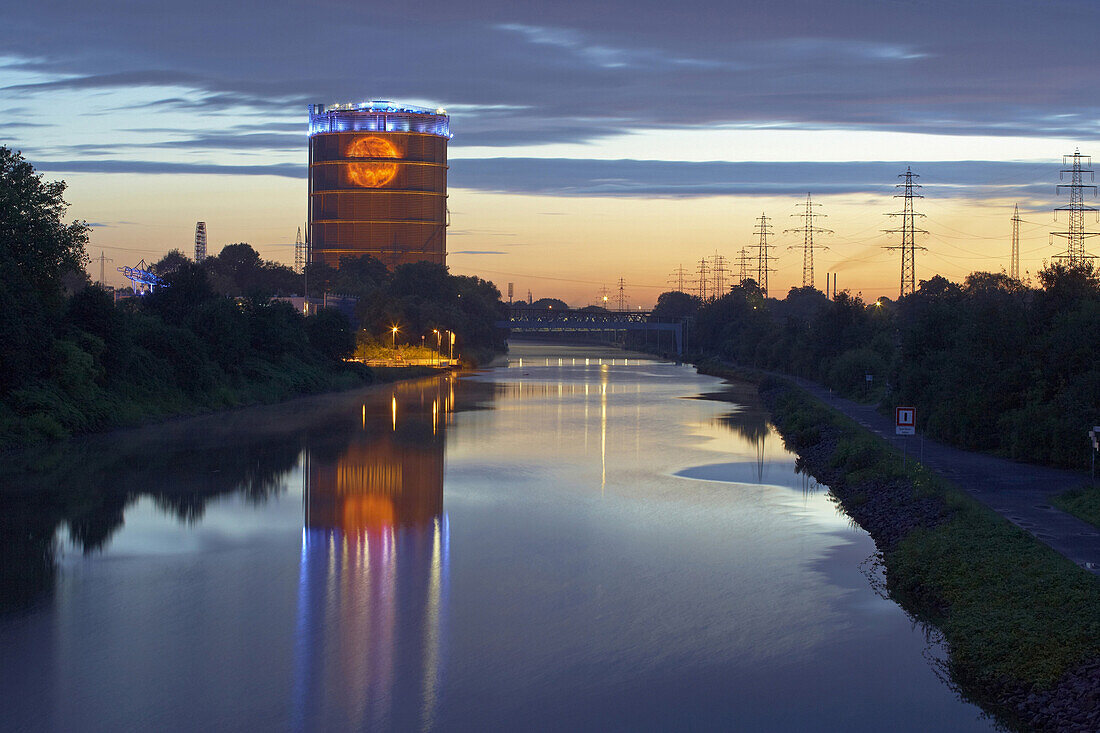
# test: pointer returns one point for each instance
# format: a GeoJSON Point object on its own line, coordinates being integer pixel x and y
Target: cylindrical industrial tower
{"type": "Point", "coordinates": [377, 183]}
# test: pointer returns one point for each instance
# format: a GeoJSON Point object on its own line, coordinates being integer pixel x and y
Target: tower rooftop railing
{"type": "Point", "coordinates": [378, 116]}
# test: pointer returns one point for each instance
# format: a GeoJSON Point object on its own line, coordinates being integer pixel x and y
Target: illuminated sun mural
{"type": "Point", "coordinates": [374, 174]}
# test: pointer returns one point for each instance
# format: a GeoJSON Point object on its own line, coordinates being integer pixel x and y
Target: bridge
{"type": "Point", "coordinates": [549, 320]}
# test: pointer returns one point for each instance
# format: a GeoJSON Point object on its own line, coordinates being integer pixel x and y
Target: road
{"type": "Point", "coordinates": [1020, 492]}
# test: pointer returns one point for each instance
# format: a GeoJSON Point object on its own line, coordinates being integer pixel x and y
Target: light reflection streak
{"type": "Point", "coordinates": [373, 567]}
{"type": "Point", "coordinates": [603, 428]}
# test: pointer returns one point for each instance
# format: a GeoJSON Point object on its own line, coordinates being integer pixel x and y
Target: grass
{"type": "Point", "coordinates": [1014, 613]}
{"type": "Point", "coordinates": [1083, 503]}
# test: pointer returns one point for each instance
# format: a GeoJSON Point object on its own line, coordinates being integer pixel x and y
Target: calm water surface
{"type": "Point", "coordinates": [573, 542]}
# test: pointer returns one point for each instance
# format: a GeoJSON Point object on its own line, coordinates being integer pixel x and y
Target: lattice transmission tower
{"type": "Point", "coordinates": [299, 253]}
{"type": "Point", "coordinates": [744, 265]}
{"type": "Point", "coordinates": [763, 230]}
{"type": "Point", "coordinates": [718, 272]}
{"type": "Point", "coordinates": [701, 282]}
{"type": "Point", "coordinates": [200, 241]}
{"type": "Point", "coordinates": [908, 231]}
{"type": "Point", "coordinates": [621, 297]}
{"type": "Point", "coordinates": [1075, 235]}
{"type": "Point", "coordinates": [1014, 264]}
{"type": "Point", "coordinates": [808, 230]}
{"type": "Point", "coordinates": [102, 260]}
{"type": "Point", "coordinates": [677, 278]}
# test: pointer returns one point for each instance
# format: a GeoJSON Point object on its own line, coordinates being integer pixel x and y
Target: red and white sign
{"type": "Point", "coordinates": [907, 420]}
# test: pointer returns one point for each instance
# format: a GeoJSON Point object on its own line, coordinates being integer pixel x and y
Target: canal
{"type": "Point", "coordinates": [574, 541]}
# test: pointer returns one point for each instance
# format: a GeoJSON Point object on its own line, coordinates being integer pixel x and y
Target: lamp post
{"type": "Point", "coordinates": [438, 345]}
{"type": "Point", "coordinates": [393, 330]}
{"type": "Point", "coordinates": [451, 357]}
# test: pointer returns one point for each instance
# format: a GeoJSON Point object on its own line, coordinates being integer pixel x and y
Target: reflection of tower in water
{"type": "Point", "coordinates": [750, 421]}
{"type": "Point", "coordinates": [374, 565]}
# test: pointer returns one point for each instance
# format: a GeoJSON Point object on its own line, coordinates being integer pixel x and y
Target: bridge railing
{"type": "Point", "coordinates": [577, 315]}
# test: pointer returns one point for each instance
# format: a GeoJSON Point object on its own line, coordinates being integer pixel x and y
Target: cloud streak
{"type": "Point", "coordinates": [564, 177]}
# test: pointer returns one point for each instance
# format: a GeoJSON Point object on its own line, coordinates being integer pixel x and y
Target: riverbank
{"type": "Point", "coordinates": [108, 410]}
{"type": "Point", "coordinates": [1021, 622]}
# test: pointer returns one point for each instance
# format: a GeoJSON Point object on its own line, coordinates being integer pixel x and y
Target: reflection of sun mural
{"type": "Point", "coordinates": [374, 174]}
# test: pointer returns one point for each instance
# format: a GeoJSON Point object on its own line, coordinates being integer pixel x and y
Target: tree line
{"type": "Point", "coordinates": [73, 360]}
{"type": "Point", "coordinates": [991, 364]}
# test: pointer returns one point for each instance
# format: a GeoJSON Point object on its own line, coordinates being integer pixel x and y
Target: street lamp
{"type": "Point", "coordinates": [394, 332]}
{"type": "Point", "coordinates": [438, 345]}
{"type": "Point", "coordinates": [452, 354]}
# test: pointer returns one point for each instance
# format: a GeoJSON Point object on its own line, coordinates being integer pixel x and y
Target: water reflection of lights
{"type": "Point", "coordinates": [372, 593]}
{"type": "Point", "coordinates": [603, 427]}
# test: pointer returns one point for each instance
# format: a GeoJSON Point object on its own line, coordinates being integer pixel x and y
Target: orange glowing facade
{"type": "Point", "coordinates": [377, 183]}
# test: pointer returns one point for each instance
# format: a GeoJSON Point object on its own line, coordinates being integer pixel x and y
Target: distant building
{"type": "Point", "coordinates": [377, 183]}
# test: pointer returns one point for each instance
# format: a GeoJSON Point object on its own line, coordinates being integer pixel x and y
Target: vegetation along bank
{"type": "Point", "coordinates": [1021, 623]}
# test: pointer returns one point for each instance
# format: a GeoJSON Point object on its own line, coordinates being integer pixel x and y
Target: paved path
{"type": "Point", "coordinates": [1019, 491]}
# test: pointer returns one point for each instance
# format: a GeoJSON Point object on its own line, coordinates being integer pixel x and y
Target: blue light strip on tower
{"type": "Point", "coordinates": [378, 116]}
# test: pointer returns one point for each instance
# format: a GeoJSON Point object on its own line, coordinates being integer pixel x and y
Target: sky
{"type": "Point", "coordinates": [592, 141]}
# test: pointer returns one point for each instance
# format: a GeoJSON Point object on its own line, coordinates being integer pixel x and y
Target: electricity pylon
{"type": "Point", "coordinates": [1075, 234]}
{"type": "Point", "coordinates": [1014, 265]}
{"type": "Point", "coordinates": [701, 283]}
{"type": "Point", "coordinates": [763, 252]}
{"type": "Point", "coordinates": [677, 278]}
{"type": "Point", "coordinates": [299, 253]}
{"type": "Point", "coordinates": [744, 262]}
{"type": "Point", "coordinates": [718, 272]}
{"type": "Point", "coordinates": [808, 230]}
{"type": "Point", "coordinates": [908, 233]}
{"type": "Point", "coordinates": [621, 298]}
{"type": "Point", "coordinates": [103, 258]}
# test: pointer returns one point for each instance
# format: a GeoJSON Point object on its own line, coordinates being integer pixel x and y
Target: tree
{"type": "Point", "coordinates": [548, 304]}
{"type": "Point", "coordinates": [675, 305]}
{"type": "Point", "coordinates": [37, 251]}
{"type": "Point", "coordinates": [171, 262]}
{"type": "Point", "coordinates": [33, 235]}
{"type": "Point", "coordinates": [359, 275]}
{"type": "Point", "coordinates": [330, 333]}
